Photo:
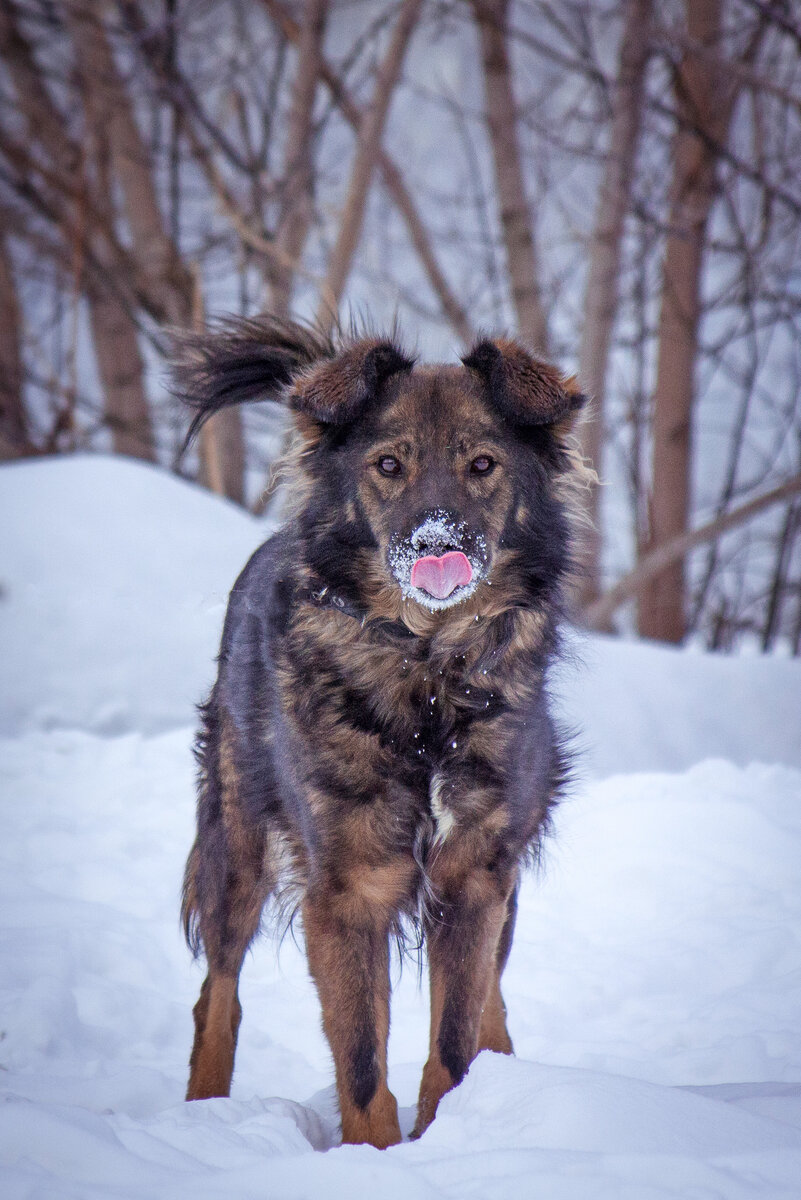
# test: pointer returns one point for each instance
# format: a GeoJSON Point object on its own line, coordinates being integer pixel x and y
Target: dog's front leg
{"type": "Point", "coordinates": [347, 941]}
{"type": "Point", "coordinates": [464, 929]}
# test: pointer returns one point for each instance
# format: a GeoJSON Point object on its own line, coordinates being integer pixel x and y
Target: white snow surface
{"type": "Point", "coordinates": [654, 988]}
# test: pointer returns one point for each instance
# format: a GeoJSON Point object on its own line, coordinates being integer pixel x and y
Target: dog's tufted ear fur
{"type": "Point", "coordinates": [238, 360]}
{"type": "Point", "coordinates": [337, 392]}
{"type": "Point", "coordinates": [525, 390]}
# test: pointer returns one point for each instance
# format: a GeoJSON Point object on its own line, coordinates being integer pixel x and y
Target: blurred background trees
{"type": "Point", "coordinates": [616, 182]}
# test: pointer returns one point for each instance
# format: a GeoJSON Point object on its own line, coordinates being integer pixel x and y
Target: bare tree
{"type": "Point", "coordinates": [392, 178]}
{"type": "Point", "coordinates": [705, 98]}
{"type": "Point", "coordinates": [14, 440]}
{"type": "Point", "coordinates": [601, 294]}
{"type": "Point", "coordinates": [521, 257]}
{"type": "Point", "coordinates": [599, 612]}
{"type": "Point", "coordinates": [617, 171]}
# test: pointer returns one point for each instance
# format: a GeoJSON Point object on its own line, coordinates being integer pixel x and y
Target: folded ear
{"type": "Point", "coordinates": [524, 389]}
{"type": "Point", "coordinates": [338, 391]}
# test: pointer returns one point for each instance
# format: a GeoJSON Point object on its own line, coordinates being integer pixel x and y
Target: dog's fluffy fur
{"type": "Point", "coordinates": [381, 753]}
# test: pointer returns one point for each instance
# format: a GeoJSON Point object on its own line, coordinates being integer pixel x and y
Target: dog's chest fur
{"type": "Point", "coordinates": [414, 738]}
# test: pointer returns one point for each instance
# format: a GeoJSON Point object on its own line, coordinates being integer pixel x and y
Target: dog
{"type": "Point", "coordinates": [378, 744]}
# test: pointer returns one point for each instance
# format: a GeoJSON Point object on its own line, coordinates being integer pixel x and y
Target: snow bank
{"type": "Point", "coordinates": [661, 949]}
{"type": "Point", "coordinates": [645, 707]}
{"type": "Point", "coordinates": [114, 578]}
{"type": "Point", "coordinates": [655, 982]}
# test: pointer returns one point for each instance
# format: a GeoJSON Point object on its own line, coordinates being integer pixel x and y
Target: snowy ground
{"type": "Point", "coordinates": [655, 985]}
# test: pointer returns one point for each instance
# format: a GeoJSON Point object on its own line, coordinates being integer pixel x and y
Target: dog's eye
{"type": "Point", "coordinates": [388, 465]}
{"type": "Point", "coordinates": [482, 465]}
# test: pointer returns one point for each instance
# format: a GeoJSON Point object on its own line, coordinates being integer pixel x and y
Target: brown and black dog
{"type": "Point", "coordinates": [378, 741]}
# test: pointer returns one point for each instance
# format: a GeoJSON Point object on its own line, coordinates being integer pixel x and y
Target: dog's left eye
{"type": "Point", "coordinates": [482, 465]}
{"type": "Point", "coordinates": [388, 465]}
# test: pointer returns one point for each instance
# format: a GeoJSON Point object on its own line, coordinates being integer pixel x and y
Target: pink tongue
{"type": "Point", "coordinates": [440, 576]}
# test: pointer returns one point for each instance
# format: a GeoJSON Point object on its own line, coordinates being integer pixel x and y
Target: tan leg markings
{"type": "Point", "coordinates": [217, 1016]}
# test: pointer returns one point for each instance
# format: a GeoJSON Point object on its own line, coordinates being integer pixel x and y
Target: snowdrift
{"type": "Point", "coordinates": [653, 990]}
{"type": "Point", "coordinates": [114, 580]}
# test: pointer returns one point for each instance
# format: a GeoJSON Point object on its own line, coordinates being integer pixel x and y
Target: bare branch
{"type": "Point", "coordinates": [394, 184]}
{"type": "Point", "coordinates": [369, 139]}
{"type": "Point", "coordinates": [598, 614]}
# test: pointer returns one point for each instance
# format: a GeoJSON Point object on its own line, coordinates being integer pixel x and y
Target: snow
{"type": "Point", "coordinates": [92, 550]}
{"type": "Point", "coordinates": [654, 988]}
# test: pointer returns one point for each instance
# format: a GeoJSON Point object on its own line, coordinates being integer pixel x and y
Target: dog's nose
{"type": "Point", "coordinates": [434, 546]}
{"type": "Point", "coordinates": [437, 533]}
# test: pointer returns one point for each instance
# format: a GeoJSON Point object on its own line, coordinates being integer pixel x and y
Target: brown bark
{"type": "Point", "coordinates": [600, 302]}
{"type": "Point", "coordinates": [14, 438]}
{"type": "Point", "coordinates": [221, 444]}
{"type": "Point", "coordinates": [598, 614]}
{"type": "Point", "coordinates": [222, 455]}
{"type": "Point", "coordinates": [704, 100]}
{"type": "Point", "coordinates": [114, 333]}
{"type": "Point", "coordinates": [392, 179]}
{"type": "Point", "coordinates": [297, 199]}
{"type": "Point", "coordinates": [778, 587]}
{"type": "Point", "coordinates": [516, 225]}
{"type": "Point", "coordinates": [121, 371]}
{"type": "Point", "coordinates": [109, 108]}
{"type": "Point", "coordinates": [371, 130]}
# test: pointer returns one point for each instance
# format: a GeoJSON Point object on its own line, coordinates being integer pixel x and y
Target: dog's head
{"type": "Point", "coordinates": [420, 487]}
{"type": "Point", "coordinates": [434, 480]}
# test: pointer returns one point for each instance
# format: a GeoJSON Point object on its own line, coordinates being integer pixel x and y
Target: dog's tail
{"type": "Point", "coordinates": [240, 359]}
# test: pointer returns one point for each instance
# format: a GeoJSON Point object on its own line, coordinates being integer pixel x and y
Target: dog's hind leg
{"type": "Point", "coordinates": [493, 1034]}
{"type": "Point", "coordinates": [225, 888]}
{"type": "Point", "coordinates": [217, 1015]}
{"type": "Point", "coordinates": [226, 929]}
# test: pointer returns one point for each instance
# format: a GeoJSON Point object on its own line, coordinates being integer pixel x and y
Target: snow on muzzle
{"type": "Point", "coordinates": [441, 562]}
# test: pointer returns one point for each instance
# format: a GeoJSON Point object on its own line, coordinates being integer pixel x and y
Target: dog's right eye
{"type": "Point", "coordinates": [388, 465]}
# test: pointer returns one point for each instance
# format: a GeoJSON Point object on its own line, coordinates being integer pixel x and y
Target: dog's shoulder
{"type": "Point", "coordinates": [262, 594]}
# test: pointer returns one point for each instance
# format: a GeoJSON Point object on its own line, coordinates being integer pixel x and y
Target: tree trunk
{"type": "Point", "coordinates": [222, 455]}
{"type": "Point", "coordinates": [297, 206]}
{"type": "Point", "coordinates": [518, 237]}
{"type": "Point", "coordinates": [121, 371]}
{"type": "Point", "coordinates": [600, 302]}
{"type": "Point", "coordinates": [14, 439]}
{"type": "Point", "coordinates": [369, 141]}
{"type": "Point", "coordinates": [109, 109]}
{"type": "Point", "coordinates": [778, 587]}
{"type": "Point", "coordinates": [704, 100]}
{"type": "Point", "coordinates": [114, 333]}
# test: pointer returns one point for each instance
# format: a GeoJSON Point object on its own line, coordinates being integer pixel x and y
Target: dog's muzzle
{"type": "Point", "coordinates": [440, 563]}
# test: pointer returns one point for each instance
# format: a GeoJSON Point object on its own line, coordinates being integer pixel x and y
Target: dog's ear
{"type": "Point", "coordinates": [338, 391]}
{"type": "Point", "coordinates": [523, 389]}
